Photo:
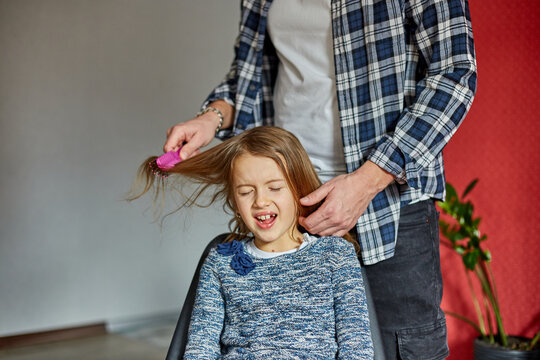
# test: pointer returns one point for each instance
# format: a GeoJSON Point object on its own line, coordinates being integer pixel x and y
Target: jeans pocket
{"type": "Point", "coordinates": [414, 231]}
{"type": "Point", "coordinates": [423, 343]}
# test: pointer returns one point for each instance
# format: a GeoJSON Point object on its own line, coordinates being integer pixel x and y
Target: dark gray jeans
{"type": "Point", "coordinates": [407, 289]}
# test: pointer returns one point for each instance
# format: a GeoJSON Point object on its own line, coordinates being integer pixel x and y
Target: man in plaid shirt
{"type": "Point", "coordinates": [405, 77]}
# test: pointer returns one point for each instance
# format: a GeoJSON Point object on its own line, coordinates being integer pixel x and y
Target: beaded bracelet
{"type": "Point", "coordinates": [210, 108]}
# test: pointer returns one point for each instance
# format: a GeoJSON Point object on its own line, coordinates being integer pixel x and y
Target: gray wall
{"type": "Point", "coordinates": [87, 91]}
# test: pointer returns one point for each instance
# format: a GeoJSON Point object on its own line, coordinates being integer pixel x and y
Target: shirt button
{"type": "Point", "coordinates": [252, 87]}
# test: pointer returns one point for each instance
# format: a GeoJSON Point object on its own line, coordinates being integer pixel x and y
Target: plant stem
{"type": "Point", "coordinates": [534, 341]}
{"type": "Point", "coordinates": [484, 281]}
{"type": "Point", "coordinates": [488, 317]}
{"type": "Point", "coordinates": [490, 272]}
{"type": "Point", "coordinates": [481, 325]}
{"type": "Point", "coordinates": [466, 319]}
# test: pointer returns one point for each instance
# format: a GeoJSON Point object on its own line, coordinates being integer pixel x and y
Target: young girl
{"type": "Point", "coordinates": [271, 291]}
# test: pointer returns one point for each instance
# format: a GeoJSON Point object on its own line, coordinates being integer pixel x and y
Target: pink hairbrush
{"type": "Point", "coordinates": [165, 162]}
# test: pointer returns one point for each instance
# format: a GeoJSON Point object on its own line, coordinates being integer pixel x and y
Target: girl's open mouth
{"type": "Point", "coordinates": [266, 221]}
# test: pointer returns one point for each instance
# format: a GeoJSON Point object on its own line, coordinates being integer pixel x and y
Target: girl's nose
{"type": "Point", "coordinates": [261, 200]}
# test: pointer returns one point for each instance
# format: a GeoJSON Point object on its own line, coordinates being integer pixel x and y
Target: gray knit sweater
{"type": "Point", "coordinates": [309, 304]}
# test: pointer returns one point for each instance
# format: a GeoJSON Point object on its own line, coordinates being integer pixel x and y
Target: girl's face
{"type": "Point", "coordinates": [265, 203]}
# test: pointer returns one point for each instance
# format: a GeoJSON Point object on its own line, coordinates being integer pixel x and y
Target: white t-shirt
{"type": "Point", "coordinates": [254, 251]}
{"type": "Point", "coordinates": [305, 97]}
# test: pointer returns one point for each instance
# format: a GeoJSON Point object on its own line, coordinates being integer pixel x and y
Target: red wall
{"type": "Point", "coordinates": [498, 143]}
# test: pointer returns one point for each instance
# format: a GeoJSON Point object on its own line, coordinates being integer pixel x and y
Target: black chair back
{"type": "Point", "coordinates": [180, 337]}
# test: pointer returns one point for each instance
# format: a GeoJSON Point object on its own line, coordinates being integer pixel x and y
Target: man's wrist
{"type": "Point", "coordinates": [215, 111]}
{"type": "Point", "coordinates": [376, 177]}
{"type": "Point", "coordinates": [226, 109]}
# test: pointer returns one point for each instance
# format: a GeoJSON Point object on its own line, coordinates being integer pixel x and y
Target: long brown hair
{"type": "Point", "coordinates": [212, 171]}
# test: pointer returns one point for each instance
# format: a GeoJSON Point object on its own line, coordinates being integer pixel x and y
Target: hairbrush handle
{"type": "Point", "coordinates": [168, 160]}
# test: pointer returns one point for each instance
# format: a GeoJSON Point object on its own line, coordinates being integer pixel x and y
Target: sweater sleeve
{"type": "Point", "coordinates": [208, 314]}
{"type": "Point", "coordinates": [350, 305]}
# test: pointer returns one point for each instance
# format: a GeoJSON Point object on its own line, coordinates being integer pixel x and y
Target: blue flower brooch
{"type": "Point", "coordinates": [241, 262]}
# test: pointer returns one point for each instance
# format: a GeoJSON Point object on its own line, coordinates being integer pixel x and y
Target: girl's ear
{"type": "Point", "coordinates": [235, 210]}
{"type": "Point", "coordinates": [299, 209]}
{"type": "Point", "coordinates": [233, 204]}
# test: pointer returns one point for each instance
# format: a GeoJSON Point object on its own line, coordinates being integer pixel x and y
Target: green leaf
{"type": "Point", "coordinates": [469, 208]}
{"type": "Point", "coordinates": [456, 237]}
{"type": "Point", "coordinates": [470, 260]}
{"type": "Point", "coordinates": [451, 193]}
{"type": "Point", "coordinates": [445, 207]}
{"type": "Point", "coordinates": [444, 229]}
{"type": "Point", "coordinates": [487, 255]}
{"type": "Point", "coordinates": [469, 187]}
{"type": "Point", "coordinates": [459, 249]}
{"type": "Point", "coordinates": [475, 242]}
{"type": "Point", "coordinates": [462, 213]}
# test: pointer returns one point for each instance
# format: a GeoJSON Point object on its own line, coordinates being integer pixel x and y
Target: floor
{"type": "Point", "coordinates": [148, 342]}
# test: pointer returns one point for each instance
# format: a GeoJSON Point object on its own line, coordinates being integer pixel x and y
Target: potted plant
{"type": "Point", "coordinates": [463, 236]}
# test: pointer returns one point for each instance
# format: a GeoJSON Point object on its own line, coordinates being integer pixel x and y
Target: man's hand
{"type": "Point", "coordinates": [198, 132]}
{"type": "Point", "coordinates": [346, 197]}
{"type": "Point", "coordinates": [191, 135]}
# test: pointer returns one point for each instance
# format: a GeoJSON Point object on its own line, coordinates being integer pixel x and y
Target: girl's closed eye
{"type": "Point", "coordinates": [275, 188]}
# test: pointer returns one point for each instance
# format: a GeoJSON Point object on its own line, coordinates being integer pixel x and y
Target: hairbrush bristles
{"type": "Point", "coordinates": [165, 162]}
{"type": "Point", "coordinates": [156, 170]}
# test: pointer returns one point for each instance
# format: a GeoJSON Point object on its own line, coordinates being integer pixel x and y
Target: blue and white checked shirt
{"type": "Point", "coordinates": [405, 79]}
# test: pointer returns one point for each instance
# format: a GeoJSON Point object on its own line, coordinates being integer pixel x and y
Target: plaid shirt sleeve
{"type": "Point", "coordinates": [441, 32]}
{"type": "Point", "coordinates": [248, 85]}
{"type": "Point", "coordinates": [226, 89]}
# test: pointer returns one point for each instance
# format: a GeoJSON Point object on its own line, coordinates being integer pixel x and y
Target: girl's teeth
{"type": "Point", "coordinates": [264, 217]}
